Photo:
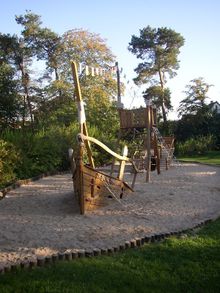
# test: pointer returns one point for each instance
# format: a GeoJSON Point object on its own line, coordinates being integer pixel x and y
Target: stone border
{"type": "Point", "coordinates": [95, 252]}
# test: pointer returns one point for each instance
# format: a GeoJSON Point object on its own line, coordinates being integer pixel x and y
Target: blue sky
{"type": "Point", "coordinates": [198, 21]}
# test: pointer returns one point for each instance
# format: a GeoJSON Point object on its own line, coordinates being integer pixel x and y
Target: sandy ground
{"type": "Point", "coordinates": [42, 218]}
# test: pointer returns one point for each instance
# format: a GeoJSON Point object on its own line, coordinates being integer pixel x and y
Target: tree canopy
{"type": "Point", "coordinates": [196, 97]}
{"type": "Point", "coordinates": [158, 49]}
{"type": "Point", "coordinates": [50, 89]}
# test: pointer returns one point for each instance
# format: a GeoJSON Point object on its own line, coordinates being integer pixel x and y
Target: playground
{"type": "Point", "coordinates": [100, 209]}
{"type": "Point", "coordinates": [41, 219]}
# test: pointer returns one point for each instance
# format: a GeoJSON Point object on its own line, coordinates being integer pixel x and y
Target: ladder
{"type": "Point", "coordinates": [165, 147]}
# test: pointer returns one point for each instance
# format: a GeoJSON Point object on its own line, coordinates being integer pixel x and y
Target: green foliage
{"type": "Point", "coordinates": [60, 112]}
{"type": "Point", "coordinates": [55, 86]}
{"type": "Point", "coordinates": [191, 264]}
{"type": "Point", "coordinates": [204, 123]}
{"type": "Point", "coordinates": [9, 158]}
{"type": "Point", "coordinates": [54, 127]}
{"type": "Point", "coordinates": [9, 99]}
{"type": "Point", "coordinates": [196, 97]}
{"type": "Point", "coordinates": [168, 129]}
{"type": "Point", "coordinates": [47, 150]}
{"type": "Point", "coordinates": [159, 97]}
{"type": "Point", "coordinates": [40, 152]}
{"type": "Point", "coordinates": [198, 145]}
{"type": "Point", "coordinates": [158, 49]}
{"type": "Point", "coordinates": [108, 138]}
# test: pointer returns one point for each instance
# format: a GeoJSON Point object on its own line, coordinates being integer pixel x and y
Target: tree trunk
{"type": "Point", "coordinates": [25, 82]}
{"type": "Point", "coordinates": [57, 78]}
{"type": "Point", "coordinates": [162, 82]}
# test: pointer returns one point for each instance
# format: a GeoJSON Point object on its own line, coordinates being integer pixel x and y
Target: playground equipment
{"type": "Point", "coordinates": [154, 151]}
{"type": "Point", "coordinates": [140, 122]}
{"type": "Point", "coordinates": [92, 187]}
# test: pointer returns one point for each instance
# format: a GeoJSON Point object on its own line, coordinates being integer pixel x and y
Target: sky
{"type": "Point", "coordinates": [198, 21]}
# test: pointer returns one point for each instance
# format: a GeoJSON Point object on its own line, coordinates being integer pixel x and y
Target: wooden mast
{"type": "Point", "coordinates": [81, 112]}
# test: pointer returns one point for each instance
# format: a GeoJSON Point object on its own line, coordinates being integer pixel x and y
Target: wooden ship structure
{"type": "Point", "coordinates": [92, 187]}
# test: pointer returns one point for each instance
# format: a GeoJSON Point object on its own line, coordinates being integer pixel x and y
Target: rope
{"type": "Point", "coordinates": [135, 211]}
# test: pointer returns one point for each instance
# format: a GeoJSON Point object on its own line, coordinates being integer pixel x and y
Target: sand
{"type": "Point", "coordinates": [42, 218]}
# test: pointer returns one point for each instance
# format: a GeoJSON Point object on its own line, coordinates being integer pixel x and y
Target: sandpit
{"type": "Point", "coordinates": [42, 218]}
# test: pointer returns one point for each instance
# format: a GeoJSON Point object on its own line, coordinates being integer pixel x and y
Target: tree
{"type": "Point", "coordinates": [98, 92]}
{"type": "Point", "coordinates": [196, 96]}
{"type": "Point", "coordinates": [86, 48]}
{"type": "Point", "coordinates": [52, 93]}
{"type": "Point", "coordinates": [19, 56]}
{"type": "Point", "coordinates": [197, 119]}
{"type": "Point", "coordinates": [45, 43]}
{"type": "Point", "coordinates": [159, 49]}
{"type": "Point", "coordinates": [159, 96]}
{"type": "Point", "coordinates": [9, 99]}
{"type": "Point", "coordinates": [47, 47]}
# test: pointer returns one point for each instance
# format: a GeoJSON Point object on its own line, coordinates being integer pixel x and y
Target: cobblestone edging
{"type": "Point", "coordinates": [21, 182]}
{"type": "Point", "coordinates": [74, 255]}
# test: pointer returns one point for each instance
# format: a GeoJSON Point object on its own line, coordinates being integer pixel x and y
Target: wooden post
{"type": "Point", "coordinates": [156, 153]}
{"type": "Point", "coordinates": [81, 112]}
{"type": "Point", "coordinates": [122, 164]}
{"type": "Point", "coordinates": [148, 103]}
{"type": "Point", "coordinates": [156, 149]}
{"type": "Point", "coordinates": [80, 180]}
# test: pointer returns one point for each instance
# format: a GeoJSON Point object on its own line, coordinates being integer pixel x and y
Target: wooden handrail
{"type": "Point", "coordinates": [82, 137]}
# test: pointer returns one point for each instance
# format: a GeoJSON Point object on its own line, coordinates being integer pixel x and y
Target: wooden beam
{"type": "Point", "coordinates": [81, 112]}
{"type": "Point", "coordinates": [148, 142]}
{"type": "Point", "coordinates": [122, 164]}
{"type": "Point", "coordinates": [103, 146]}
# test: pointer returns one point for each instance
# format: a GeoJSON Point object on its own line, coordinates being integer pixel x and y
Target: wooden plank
{"type": "Point", "coordinates": [135, 118]}
{"type": "Point", "coordinates": [97, 186]}
{"type": "Point", "coordinates": [78, 180]}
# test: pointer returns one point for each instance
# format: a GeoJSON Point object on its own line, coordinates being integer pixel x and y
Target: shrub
{"type": "Point", "coordinates": [24, 154]}
{"type": "Point", "coordinates": [40, 152]}
{"type": "Point", "coordinates": [9, 158]}
{"type": "Point", "coordinates": [195, 146]}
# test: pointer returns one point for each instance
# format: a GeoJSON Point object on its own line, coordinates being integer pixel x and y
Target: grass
{"type": "Point", "coordinates": [190, 264]}
{"type": "Point", "coordinates": [212, 157]}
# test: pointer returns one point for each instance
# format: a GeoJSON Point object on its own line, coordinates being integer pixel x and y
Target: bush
{"type": "Point", "coordinates": [195, 146]}
{"type": "Point", "coordinates": [38, 153]}
{"type": "Point", "coordinates": [24, 154]}
{"type": "Point", "coordinates": [9, 158]}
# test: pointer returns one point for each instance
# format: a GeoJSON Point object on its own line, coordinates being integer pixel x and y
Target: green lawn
{"type": "Point", "coordinates": [189, 264]}
{"type": "Point", "coordinates": [212, 157]}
